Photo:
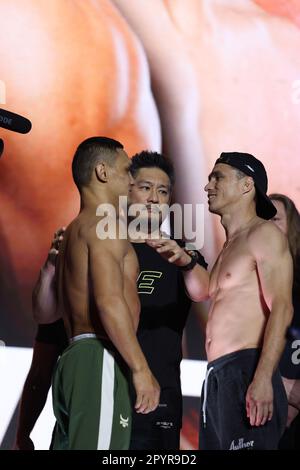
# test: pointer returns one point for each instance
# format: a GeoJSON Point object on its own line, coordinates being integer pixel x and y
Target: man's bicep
{"type": "Point", "coordinates": [105, 269]}
{"type": "Point", "coordinates": [275, 270]}
{"type": "Point", "coordinates": [44, 300]}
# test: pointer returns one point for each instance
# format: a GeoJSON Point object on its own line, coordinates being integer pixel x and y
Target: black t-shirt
{"type": "Point", "coordinates": [164, 310]}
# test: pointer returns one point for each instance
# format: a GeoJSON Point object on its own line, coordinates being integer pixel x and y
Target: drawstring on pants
{"type": "Point", "coordinates": [205, 395]}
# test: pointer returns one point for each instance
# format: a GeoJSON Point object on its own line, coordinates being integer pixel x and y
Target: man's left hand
{"type": "Point", "coordinates": [170, 250]}
{"type": "Point", "coordinates": [259, 402]}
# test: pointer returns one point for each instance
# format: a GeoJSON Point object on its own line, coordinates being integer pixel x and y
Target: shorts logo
{"type": "Point", "coordinates": [241, 444]}
{"type": "Point", "coordinates": [145, 281]}
{"type": "Point", "coordinates": [124, 421]}
{"type": "Point", "coordinates": [164, 424]}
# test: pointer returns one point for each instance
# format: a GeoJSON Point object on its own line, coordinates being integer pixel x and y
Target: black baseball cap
{"type": "Point", "coordinates": [251, 166]}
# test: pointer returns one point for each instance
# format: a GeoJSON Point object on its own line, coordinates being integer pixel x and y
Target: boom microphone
{"type": "Point", "coordinates": [1, 146]}
{"type": "Point", "coordinates": [293, 333]}
{"type": "Point", "coordinates": [14, 122]}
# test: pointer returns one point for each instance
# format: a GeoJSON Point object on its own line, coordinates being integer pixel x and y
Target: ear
{"type": "Point", "coordinates": [131, 179]}
{"type": "Point", "coordinates": [248, 184]}
{"type": "Point", "coordinates": [101, 172]}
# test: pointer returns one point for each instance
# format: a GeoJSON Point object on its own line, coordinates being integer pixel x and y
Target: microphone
{"type": "Point", "coordinates": [1, 146]}
{"type": "Point", "coordinates": [293, 333]}
{"type": "Point", "coordinates": [14, 122]}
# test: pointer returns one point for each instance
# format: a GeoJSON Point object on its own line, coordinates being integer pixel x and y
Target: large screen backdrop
{"type": "Point", "coordinates": [191, 78]}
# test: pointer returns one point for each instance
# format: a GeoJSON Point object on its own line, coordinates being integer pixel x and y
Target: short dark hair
{"type": "Point", "coordinates": [239, 173]}
{"type": "Point", "coordinates": [148, 159]}
{"type": "Point", "coordinates": [88, 154]}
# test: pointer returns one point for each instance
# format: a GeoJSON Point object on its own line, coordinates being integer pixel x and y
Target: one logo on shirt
{"type": "Point", "coordinates": [145, 281]}
{"type": "Point", "coordinates": [124, 421]}
{"type": "Point", "coordinates": [241, 444]}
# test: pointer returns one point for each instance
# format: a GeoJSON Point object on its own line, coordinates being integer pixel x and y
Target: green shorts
{"type": "Point", "coordinates": [91, 398]}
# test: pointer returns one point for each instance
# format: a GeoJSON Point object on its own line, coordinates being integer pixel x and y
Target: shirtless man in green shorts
{"type": "Point", "coordinates": [97, 296]}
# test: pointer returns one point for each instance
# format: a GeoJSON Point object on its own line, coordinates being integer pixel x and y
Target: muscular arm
{"type": "Point", "coordinates": [196, 283]}
{"type": "Point", "coordinates": [196, 280]}
{"type": "Point", "coordinates": [49, 344]}
{"type": "Point", "coordinates": [274, 268]}
{"type": "Point", "coordinates": [35, 391]}
{"type": "Point", "coordinates": [44, 300]}
{"type": "Point", "coordinates": [106, 258]}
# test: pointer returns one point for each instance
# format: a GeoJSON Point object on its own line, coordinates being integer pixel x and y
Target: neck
{"type": "Point", "coordinates": [234, 223]}
{"type": "Point", "coordinates": [90, 200]}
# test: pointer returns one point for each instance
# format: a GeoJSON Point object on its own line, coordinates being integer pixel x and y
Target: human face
{"type": "Point", "coordinates": [121, 177]}
{"type": "Point", "coordinates": [280, 218]}
{"type": "Point", "coordinates": [224, 188]}
{"type": "Point", "coordinates": [151, 187]}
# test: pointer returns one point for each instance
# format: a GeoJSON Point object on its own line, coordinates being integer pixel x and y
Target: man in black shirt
{"type": "Point", "coordinates": [169, 279]}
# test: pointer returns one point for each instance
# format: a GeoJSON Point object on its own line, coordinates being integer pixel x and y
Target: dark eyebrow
{"type": "Point", "coordinates": [215, 174]}
{"type": "Point", "coordinates": [145, 181]}
{"type": "Point", "coordinates": [151, 184]}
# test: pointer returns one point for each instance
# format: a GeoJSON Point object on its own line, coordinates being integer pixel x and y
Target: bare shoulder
{"type": "Point", "coordinates": [265, 238]}
{"type": "Point", "coordinates": [100, 240]}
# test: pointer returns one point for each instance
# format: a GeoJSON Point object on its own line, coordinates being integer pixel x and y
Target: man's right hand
{"type": "Point", "coordinates": [147, 391]}
{"type": "Point", "coordinates": [44, 301]}
{"type": "Point", "coordinates": [54, 249]}
{"type": "Point", "coordinates": [259, 401]}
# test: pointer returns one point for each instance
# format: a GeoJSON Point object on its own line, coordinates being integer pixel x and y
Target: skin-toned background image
{"type": "Point", "coordinates": [190, 78]}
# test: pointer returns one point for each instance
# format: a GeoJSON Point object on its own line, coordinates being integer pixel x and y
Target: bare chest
{"type": "Point", "coordinates": [234, 268]}
{"type": "Point", "coordinates": [131, 265]}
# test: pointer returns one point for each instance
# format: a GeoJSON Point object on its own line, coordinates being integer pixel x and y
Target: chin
{"type": "Point", "coordinates": [213, 210]}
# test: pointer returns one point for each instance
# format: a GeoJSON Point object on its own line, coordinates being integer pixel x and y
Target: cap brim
{"type": "Point", "coordinates": [264, 206]}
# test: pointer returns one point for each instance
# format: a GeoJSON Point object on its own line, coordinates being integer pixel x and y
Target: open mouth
{"type": "Point", "coordinates": [211, 197]}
